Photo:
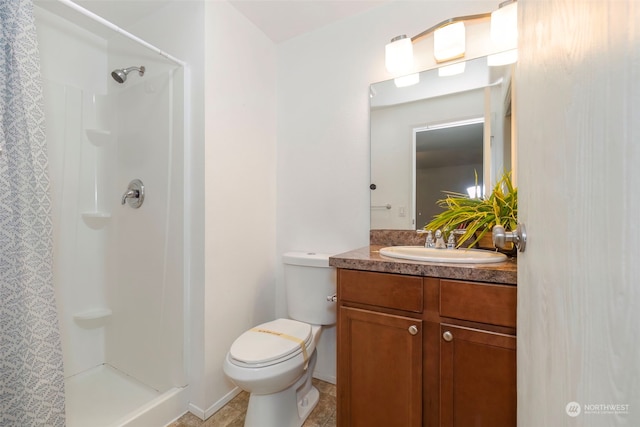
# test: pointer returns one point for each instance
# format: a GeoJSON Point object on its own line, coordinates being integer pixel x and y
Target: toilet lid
{"type": "Point", "coordinates": [271, 341]}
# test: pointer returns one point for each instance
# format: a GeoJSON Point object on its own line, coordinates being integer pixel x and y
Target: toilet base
{"type": "Point", "coordinates": [307, 403]}
{"type": "Point", "coordinates": [287, 408]}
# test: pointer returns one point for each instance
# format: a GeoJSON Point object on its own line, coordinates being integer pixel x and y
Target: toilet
{"type": "Point", "coordinates": [274, 361]}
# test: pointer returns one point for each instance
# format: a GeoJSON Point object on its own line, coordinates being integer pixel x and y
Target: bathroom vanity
{"type": "Point", "coordinates": [425, 344]}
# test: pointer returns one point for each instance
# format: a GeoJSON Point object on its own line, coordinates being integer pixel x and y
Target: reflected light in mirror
{"type": "Point", "coordinates": [451, 70]}
{"type": "Point", "coordinates": [449, 42]}
{"type": "Point", "coordinates": [405, 81]}
{"type": "Point", "coordinates": [475, 191]}
{"type": "Point", "coordinates": [399, 55]}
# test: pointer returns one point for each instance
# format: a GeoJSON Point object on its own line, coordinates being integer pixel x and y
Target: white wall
{"type": "Point", "coordinates": [578, 105]}
{"type": "Point", "coordinates": [233, 166]}
{"type": "Point", "coordinates": [240, 159]}
{"type": "Point", "coordinates": [323, 128]}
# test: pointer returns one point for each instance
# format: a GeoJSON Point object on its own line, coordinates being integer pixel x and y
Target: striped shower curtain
{"type": "Point", "coordinates": [31, 374]}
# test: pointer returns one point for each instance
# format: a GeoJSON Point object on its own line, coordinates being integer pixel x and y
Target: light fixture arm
{"type": "Point", "coordinates": [449, 39]}
{"type": "Point", "coordinates": [447, 22]}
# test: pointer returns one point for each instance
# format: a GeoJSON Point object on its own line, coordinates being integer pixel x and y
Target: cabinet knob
{"type": "Point", "coordinates": [447, 336]}
{"type": "Point", "coordinates": [413, 329]}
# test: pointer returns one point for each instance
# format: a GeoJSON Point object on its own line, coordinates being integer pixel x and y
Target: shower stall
{"type": "Point", "coordinates": [115, 114]}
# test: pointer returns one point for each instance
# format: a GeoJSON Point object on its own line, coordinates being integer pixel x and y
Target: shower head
{"type": "Point", "coordinates": [120, 75]}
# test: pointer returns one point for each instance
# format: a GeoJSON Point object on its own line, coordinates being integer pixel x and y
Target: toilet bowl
{"type": "Point", "coordinates": [274, 361]}
{"type": "Point", "coordinates": [281, 393]}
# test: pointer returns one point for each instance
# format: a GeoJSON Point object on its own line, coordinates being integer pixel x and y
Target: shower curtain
{"type": "Point", "coordinates": [31, 374]}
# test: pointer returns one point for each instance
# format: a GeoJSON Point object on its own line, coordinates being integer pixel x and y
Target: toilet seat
{"type": "Point", "coordinates": [271, 343]}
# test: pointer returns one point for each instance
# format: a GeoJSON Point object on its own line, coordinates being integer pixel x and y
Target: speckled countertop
{"type": "Point", "coordinates": [369, 259]}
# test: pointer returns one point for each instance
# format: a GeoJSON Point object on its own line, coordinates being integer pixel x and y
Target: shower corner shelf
{"type": "Point", "coordinates": [95, 219]}
{"type": "Point", "coordinates": [99, 137]}
{"type": "Point", "coordinates": [96, 215]}
{"type": "Point", "coordinates": [93, 314]}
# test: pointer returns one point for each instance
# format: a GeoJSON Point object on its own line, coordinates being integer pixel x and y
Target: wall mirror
{"type": "Point", "coordinates": [446, 132]}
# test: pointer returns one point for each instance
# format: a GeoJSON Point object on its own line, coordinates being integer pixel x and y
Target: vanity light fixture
{"type": "Point", "coordinates": [399, 55]}
{"type": "Point", "coordinates": [504, 34]}
{"type": "Point", "coordinates": [449, 40]}
{"type": "Point", "coordinates": [449, 45]}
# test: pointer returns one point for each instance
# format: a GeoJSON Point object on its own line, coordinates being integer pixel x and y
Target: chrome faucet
{"type": "Point", "coordinates": [429, 243]}
{"type": "Point", "coordinates": [440, 240]}
{"type": "Point", "coordinates": [451, 241]}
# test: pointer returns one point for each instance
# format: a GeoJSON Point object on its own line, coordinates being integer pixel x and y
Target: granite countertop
{"type": "Point", "coordinates": [369, 259]}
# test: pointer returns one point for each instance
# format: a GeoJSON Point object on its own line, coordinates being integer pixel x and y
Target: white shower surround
{"type": "Point", "coordinates": [123, 266]}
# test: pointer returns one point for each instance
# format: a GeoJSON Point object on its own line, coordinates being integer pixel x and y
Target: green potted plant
{"type": "Point", "coordinates": [477, 216]}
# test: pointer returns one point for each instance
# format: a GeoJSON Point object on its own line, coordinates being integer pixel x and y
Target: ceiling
{"type": "Point", "coordinates": [281, 20]}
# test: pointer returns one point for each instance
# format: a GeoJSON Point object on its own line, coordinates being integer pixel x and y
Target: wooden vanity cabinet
{"type": "Point", "coordinates": [379, 350]}
{"type": "Point", "coordinates": [416, 351]}
{"type": "Point", "coordinates": [477, 378]}
{"type": "Point", "coordinates": [477, 352]}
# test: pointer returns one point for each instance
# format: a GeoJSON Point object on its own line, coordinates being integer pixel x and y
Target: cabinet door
{"type": "Point", "coordinates": [478, 378]}
{"type": "Point", "coordinates": [379, 369]}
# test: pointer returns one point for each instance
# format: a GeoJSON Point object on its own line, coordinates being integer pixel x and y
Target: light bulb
{"type": "Point", "coordinates": [449, 42]}
{"type": "Point", "coordinates": [504, 33]}
{"type": "Point", "coordinates": [399, 55]}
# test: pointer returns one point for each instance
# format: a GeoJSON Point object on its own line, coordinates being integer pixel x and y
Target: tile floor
{"type": "Point", "coordinates": [232, 414]}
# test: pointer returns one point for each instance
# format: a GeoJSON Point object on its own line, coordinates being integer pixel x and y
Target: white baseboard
{"type": "Point", "coordinates": [326, 378]}
{"type": "Point", "coordinates": [203, 414]}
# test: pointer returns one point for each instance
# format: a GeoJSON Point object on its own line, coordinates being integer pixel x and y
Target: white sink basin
{"type": "Point", "coordinates": [456, 256]}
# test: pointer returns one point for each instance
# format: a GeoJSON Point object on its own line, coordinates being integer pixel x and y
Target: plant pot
{"type": "Point", "coordinates": [486, 242]}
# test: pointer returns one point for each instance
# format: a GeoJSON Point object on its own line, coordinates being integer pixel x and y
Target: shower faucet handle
{"type": "Point", "coordinates": [134, 195]}
{"type": "Point", "coordinates": [131, 194]}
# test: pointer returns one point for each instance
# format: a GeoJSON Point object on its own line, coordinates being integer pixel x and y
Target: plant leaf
{"type": "Point", "coordinates": [478, 215]}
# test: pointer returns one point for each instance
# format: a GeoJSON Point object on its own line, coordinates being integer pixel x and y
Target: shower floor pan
{"type": "Point", "coordinates": [105, 397]}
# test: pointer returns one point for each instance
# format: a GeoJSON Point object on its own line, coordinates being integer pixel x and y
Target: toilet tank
{"type": "Point", "coordinates": [308, 281]}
